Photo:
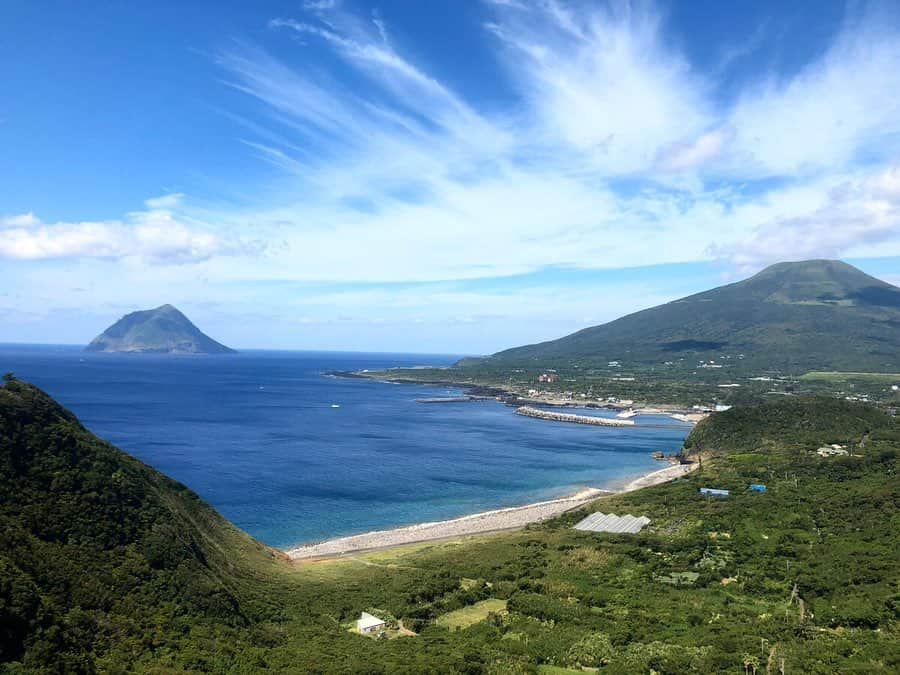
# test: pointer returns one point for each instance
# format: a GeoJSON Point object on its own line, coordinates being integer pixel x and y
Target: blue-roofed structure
{"type": "Point", "coordinates": [757, 487]}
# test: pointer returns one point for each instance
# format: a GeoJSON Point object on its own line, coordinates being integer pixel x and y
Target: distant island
{"type": "Point", "coordinates": [163, 330]}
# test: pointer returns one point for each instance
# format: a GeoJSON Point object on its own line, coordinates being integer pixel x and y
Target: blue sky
{"type": "Point", "coordinates": [442, 176]}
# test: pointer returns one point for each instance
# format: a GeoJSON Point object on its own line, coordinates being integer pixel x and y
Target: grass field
{"type": "Point", "coordinates": [468, 616]}
{"type": "Point", "coordinates": [836, 376]}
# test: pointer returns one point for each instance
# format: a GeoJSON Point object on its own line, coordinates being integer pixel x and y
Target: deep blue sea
{"type": "Point", "coordinates": [256, 435]}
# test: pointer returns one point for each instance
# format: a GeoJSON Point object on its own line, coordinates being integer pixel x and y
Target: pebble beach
{"type": "Point", "coordinates": [476, 523]}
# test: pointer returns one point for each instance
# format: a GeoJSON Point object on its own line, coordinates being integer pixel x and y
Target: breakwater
{"type": "Point", "coordinates": [528, 411]}
{"type": "Point", "coordinates": [452, 399]}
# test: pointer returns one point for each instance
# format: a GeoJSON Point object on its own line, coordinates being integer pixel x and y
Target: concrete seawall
{"type": "Point", "coordinates": [453, 399]}
{"type": "Point", "coordinates": [528, 411]}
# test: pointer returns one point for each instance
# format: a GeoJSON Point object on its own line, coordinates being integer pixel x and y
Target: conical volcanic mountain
{"type": "Point", "coordinates": [163, 330]}
{"type": "Point", "coordinates": [794, 316]}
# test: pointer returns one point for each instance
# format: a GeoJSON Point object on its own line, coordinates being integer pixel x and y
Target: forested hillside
{"type": "Point", "coordinates": [106, 565]}
{"type": "Point", "coordinates": [100, 555]}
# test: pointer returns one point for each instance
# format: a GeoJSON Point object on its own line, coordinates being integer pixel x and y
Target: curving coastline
{"type": "Point", "coordinates": [477, 523]}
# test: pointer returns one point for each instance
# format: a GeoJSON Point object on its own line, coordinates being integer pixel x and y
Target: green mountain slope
{"type": "Point", "coordinates": [163, 330]}
{"type": "Point", "coordinates": [98, 550]}
{"type": "Point", "coordinates": [812, 315]}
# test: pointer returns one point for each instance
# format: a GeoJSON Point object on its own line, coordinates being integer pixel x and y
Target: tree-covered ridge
{"type": "Point", "coordinates": [107, 565]}
{"type": "Point", "coordinates": [792, 423]}
{"type": "Point", "coordinates": [793, 317]}
{"type": "Point", "coordinates": [98, 549]}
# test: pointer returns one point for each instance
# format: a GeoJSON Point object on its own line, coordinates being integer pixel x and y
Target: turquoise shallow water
{"type": "Point", "coordinates": [256, 435]}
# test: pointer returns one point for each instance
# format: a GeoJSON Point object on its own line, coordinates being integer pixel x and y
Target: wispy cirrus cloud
{"type": "Point", "coordinates": [696, 151]}
{"type": "Point", "coordinates": [400, 176]}
{"type": "Point", "coordinates": [415, 174]}
{"type": "Point", "coordinates": [836, 111]}
{"type": "Point", "coordinates": [602, 85]}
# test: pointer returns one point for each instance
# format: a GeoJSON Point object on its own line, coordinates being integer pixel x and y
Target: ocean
{"type": "Point", "coordinates": [292, 456]}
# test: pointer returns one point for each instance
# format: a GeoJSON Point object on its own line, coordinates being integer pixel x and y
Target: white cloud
{"type": "Point", "coordinates": [20, 220]}
{"type": "Point", "coordinates": [507, 3]}
{"type": "Point", "coordinates": [319, 5]}
{"type": "Point", "coordinates": [603, 83]}
{"type": "Point", "coordinates": [154, 236]}
{"type": "Point", "coordinates": [402, 179]}
{"type": "Point", "coordinates": [415, 96]}
{"type": "Point", "coordinates": [166, 201]}
{"type": "Point", "coordinates": [885, 185]}
{"type": "Point", "coordinates": [696, 152]}
{"type": "Point", "coordinates": [835, 109]}
{"type": "Point", "coordinates": [856, 214]}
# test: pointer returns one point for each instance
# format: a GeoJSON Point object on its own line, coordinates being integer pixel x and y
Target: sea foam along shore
{"type": "Point", "coordinates": [476, 523]}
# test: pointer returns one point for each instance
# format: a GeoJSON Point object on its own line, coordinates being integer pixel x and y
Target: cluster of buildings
{"type": "Point", "coordinates": [717, 407]}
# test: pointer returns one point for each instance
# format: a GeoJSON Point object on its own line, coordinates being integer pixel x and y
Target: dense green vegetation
{"type": "Point", "coordinates": [791, 317]}
{"type": "Point", "coordinates": [161, 330]}
{"type": "Point", "coordinates": [99, 552]}
{"type": "Point", "coordinates": [673, 385]}
{"type": "Point", "coordinates": [107, 565]}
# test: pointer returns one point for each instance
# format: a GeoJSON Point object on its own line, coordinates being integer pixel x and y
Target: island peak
{"type": "Point", "coordinates": [163, 330]}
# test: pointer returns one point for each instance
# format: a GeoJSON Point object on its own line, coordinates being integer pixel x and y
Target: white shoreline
{"type": "Point", "coordinates": [477, 523]}
{"type": "Point", "coordinates": [663, 475]}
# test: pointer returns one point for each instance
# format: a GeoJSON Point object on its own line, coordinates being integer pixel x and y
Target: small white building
{"type": "Point", "coordinates": [367, 623]}
{"type": "Point", "coordinates": [831, 450]}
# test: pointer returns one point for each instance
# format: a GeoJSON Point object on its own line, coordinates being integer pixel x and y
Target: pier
{"type": "Point", "coordinates": [528, 411]}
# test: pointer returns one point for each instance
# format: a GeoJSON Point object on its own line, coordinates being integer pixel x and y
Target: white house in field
{"type": "Point", "coordinates": [367, 623]}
